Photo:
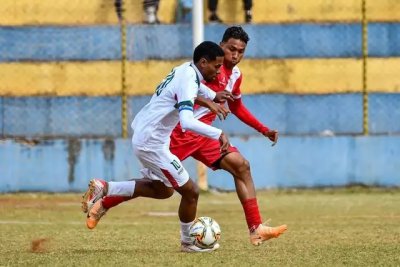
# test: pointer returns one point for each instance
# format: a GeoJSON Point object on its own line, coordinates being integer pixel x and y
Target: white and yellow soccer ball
{"type": "Point", "coordinates": [205, 232]}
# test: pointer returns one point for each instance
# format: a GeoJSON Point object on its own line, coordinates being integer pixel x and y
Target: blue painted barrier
{"type": "Point", "coordinates": [318, 161]}
{"type": "Point", "coordinates": [67, 165]}
{"type": "Point", "coordinates": [290, 114]}
{"type": "Point", "coordinates": [384, 113]}
{"type": "Point", "coordinates": [383, 39]}
{"type": "Point", "coordinates": [175, 41]}
{"type": "Point", "coordinates": [61, 116]}
{"type": "Point", "coordinates": [59, 43]}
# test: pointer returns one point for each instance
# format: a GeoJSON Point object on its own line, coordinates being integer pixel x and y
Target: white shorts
{"type": "Point", "coordinates": [160, 164]}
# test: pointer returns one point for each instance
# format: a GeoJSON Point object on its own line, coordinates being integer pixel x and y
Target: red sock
{"type": "Point", "coordinates": [112, 201]}
{"type": "Point", "coordinates": [253, 217]}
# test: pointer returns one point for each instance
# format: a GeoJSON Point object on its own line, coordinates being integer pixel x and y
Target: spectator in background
{"type": "Point", "coordinates": [212, 7]}
{"type": "Point", "coordinates": [184, 11]}
{"type": "Point", "coordinates": [150, 8]}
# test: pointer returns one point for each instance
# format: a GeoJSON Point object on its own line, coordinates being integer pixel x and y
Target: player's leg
{"type": "Point", "coordinates": [187, 214]}
{"type": "Point", "coordinates": [142, 188]}
{"type": "Point", "coordinates": [172, 173]}
{"type": "Point", "coordinates": [118, 192]}
{"type": "Point", "coordinates": [188, 205]}
{"type": "Point", "coordinates": [239, 167]}
{"type": "Point", "coordinates": [113, 193]}
{"type": "Point", "coordinates": [183, 145]}
{"type": "Point", "coordinates": [187, 208]}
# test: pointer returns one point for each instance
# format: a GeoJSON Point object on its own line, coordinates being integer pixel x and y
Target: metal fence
{"type": "Point", "coordinates": [76, 69]}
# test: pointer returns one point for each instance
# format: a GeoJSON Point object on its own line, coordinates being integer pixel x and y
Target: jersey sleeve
{"type": "Point", "coordinates": [187, 90]}
{"type": "Point", "coordinates": [185, 94]}
{"type": "Point", "coordinates": [189, 122]}
{"type": "Point", "coordinates": [236, 88]}
{"type": "Point", "coordinates": [206, 92]}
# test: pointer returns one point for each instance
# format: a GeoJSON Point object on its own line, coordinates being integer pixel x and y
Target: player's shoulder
{"type": "Point", "coordinates": [186, 70]}
{"type": "Point", "coordinates": [236, 73]}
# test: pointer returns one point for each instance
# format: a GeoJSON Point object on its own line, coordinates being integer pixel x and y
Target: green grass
{"type": "Point", "coordinates": [334, 227]}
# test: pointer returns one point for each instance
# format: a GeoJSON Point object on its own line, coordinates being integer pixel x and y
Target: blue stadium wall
{"type": "Point", "coordinates": [67, 165]}
{"type": "Point", "coordinates": [49, 43]}
{"type": "Point", "coordinates": [291, 114]}
{"type": "Point", "coordinates": [320, 143]}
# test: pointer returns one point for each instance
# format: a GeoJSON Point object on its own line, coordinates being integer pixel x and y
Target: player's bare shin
{"type": "Point", "coordinates": [188, 206]}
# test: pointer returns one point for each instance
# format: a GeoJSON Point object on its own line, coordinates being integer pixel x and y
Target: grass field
{"type": "Point", "coordinates": [353, 227]}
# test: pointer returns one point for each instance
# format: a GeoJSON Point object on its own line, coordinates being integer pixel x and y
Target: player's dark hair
{"type": "Point", "coordinates": [235, 32]}
{"type": "Point", "coordinates": [208, 50]}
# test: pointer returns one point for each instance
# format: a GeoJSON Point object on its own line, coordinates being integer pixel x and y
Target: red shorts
{"type": "Point", "coordinates": [204, 149]}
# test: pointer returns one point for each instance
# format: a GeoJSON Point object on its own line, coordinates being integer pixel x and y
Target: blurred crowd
{"type": "Point", "coordinates": [150, 9]}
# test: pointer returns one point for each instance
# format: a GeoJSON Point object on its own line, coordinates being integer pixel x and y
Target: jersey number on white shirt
{"type": "Point", "coordinates": [165, 82]}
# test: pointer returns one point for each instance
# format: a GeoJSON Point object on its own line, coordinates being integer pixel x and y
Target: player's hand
{"type": "Point", "coordinates": [222, 96]}
{"type": "Point", "coordinates": [224, 143]}
{"type": "Point", "coordinates": [272, 135]}
{"type": "Point", "coordinates": [221, 111]}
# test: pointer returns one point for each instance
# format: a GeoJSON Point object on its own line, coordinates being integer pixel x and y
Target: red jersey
{"type": "Point", "coordinates": [229, 80]}
{"type": "Point", "coordinates": [186, 144]}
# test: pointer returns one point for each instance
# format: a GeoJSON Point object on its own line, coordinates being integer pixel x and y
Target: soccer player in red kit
{"type": "Point", "coordinates": [184, 143]}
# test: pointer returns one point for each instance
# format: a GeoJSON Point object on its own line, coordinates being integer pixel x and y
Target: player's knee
{"type": "Point", "coordinates": [189, 191]}
{"type": "Point", "coordinates": [243, 167]}
{"type": "Point", "coordinates": [159, 189]}
{"type": "Point", "coordinates": [168, 193]}
{"type": "Point", "coordinates": [165, 193]}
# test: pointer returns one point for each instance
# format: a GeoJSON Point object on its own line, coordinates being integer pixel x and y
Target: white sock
{"type": "Point", "coordinates": [125, 188]}
{"type": "Point", "coordinates": [185, 237]}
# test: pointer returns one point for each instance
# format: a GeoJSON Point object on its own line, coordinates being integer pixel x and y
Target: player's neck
{"type": "Point", "coordinates": [228, 68]}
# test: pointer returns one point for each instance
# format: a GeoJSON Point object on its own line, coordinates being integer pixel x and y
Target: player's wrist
{"type": "Point", "coordinates": [265, 130]}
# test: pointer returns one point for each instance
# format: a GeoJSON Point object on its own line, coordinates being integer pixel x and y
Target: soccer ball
{"type": "Point", "coordinates": [205, 232]}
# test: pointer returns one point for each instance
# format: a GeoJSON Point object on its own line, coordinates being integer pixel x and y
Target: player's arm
{"type": "Point", "coordinates": [205, 95]}
{"type": "Point", "coordinates": [221, 111]}
{"type": "Point", "coordinates": [238, 108]}
{"type": "Point", "coordinates": [188, 122]}
{"type": "Point", "coordinates": [218, 97]}
{"type": "Point", "coordinates": [185, 95]}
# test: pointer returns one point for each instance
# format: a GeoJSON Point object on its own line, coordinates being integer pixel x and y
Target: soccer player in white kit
{"type": "Point", "coordinates": [163, 172]}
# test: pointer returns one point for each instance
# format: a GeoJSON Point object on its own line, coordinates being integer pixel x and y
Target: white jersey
{"type": "Point", "coordinates": [172, 103]}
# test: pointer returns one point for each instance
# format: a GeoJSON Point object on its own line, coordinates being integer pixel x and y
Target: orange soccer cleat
{"type": "Point", "coordinates": [95, 213]}
{"type": "Point", "coordinates": [265, 232]}
{"type": "Point", "coordinates": [97, 189]}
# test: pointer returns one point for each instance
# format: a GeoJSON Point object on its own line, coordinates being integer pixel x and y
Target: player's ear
{"type": "Point", "coordinates": [203, 62]}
